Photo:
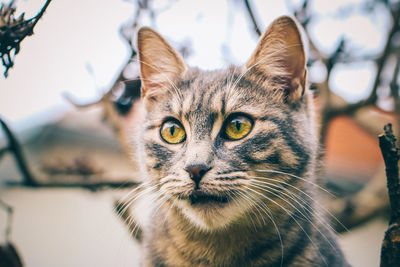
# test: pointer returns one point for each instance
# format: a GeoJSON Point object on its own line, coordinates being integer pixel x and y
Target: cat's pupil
{"type": "Point", "coordinates": [172, 130]}
{"type": "Point", "coordinates": [238, 125]}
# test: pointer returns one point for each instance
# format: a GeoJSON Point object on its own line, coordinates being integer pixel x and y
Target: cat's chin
{"type": "Point", "coordinates": [210, 213]}
{"type": "Point", "coordinates": [199, 197]}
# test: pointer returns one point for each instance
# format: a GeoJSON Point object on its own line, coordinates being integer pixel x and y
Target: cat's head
{"type": "Point", "coordinates": [212, 140]}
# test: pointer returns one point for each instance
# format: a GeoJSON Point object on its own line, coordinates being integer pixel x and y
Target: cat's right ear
{"type": "Point", "coordinates": [160, 64]}
{"type": "Point", "coordinates": [280, 56]}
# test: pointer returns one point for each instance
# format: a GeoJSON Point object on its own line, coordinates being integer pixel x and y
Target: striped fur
{"type": "Point", "coordinates": [264, 211]}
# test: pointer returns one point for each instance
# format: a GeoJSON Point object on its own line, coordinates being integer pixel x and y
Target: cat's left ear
{"type": "Point", "coordinates": [280, 56]}
{"type": "Point", "coordinates": [160, 64]}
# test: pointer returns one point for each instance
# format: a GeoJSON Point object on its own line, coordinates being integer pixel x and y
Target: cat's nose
{"type": "Point", "coordinates": [197, 171]}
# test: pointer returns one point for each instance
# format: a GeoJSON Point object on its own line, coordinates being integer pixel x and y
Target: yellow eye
{"type": "Point", "coordinates": [172, 132]}
{"type": "Point", "coordinates": [238, 127]}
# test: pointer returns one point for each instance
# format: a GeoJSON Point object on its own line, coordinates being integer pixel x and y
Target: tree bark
{"type": "Point", "coordinates": [390, 252]}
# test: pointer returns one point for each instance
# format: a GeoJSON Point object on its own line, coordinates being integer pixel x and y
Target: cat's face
{"type": "Point", "coordinates": [210, 139]}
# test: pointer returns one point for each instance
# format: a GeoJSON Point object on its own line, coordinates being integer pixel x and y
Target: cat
{"type": "Point", "coordinates": [230, 157]}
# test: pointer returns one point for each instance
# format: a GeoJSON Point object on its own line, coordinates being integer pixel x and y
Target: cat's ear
{"type": "Point", "coordinates": [160, 64]}
{"type": "Point", "coordinates": [280, 56]}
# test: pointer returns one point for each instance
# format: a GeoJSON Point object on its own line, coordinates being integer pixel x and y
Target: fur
{"type": "Point", "coordinates": [264, 209]}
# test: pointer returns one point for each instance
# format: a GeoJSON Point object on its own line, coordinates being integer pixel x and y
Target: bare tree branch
{"type": "Point", "coordinates": [10, 213]}
{"type": "Point", "coordinates": [252, 17]}
{"type": "Point", "coordinates": [390, 253]}
{"type": "Point", "coordinates": [13, 31]}
{"type": "Point", "coordinates": [92, 186]}
{"type": "Point", "coordinates": [14, 147]}
{"type": "Point", "coordinates": [81, 168]}
{"type": "Point", "coordinates": [8, 254]}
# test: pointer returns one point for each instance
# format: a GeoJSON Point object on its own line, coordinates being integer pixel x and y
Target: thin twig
{"type": "Point", "coordinates": [40, 14]}
{"type": "Point", "coordinates": [385, 55]}
{"type": "Point", "coordinates": [349, 109]}
{"type": "Point", "coordinates": [329, 111]}
{"type": "Point", "coordinates": [10, 213]}
{"type": "Point", "coordinates": [252, 17]}
{"type": "Point", "coordinates": [15, 148]}
{"type": "Point", "coordinates": [124, 32]}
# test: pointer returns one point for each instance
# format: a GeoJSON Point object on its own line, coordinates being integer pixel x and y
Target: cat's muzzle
{"type": "Point", "coordinates": [199, 196]}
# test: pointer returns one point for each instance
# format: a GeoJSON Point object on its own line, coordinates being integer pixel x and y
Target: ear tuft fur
{"type": "Point", "coordinates": [280, 56]}
{"type": "Point", "coordinates": [160, 64]}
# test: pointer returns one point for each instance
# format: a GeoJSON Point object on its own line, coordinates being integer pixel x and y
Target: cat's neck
{"type": "Point", "coordinates": [243, 238]}
{"type": "Point", "coordinates": [218, 245]}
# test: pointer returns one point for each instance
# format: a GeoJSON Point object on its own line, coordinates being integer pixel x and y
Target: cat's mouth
{"type": "Point", "coordinates": [199, 196]}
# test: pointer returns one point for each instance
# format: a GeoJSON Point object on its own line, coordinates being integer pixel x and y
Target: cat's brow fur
{"type": "Point", "coordinates": [259, 226]}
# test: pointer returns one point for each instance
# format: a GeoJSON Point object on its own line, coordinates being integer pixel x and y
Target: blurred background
{"type": "Point", "coordinates": [71, 102]}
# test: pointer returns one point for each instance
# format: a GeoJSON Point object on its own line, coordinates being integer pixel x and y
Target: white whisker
{"type": "Point", "coordinates": [294, 176]}
{"type": "Point", "coordinates": [270, 216]}
{"type": "Point", "coordinates": [306, 194]}
{"type": "Point", "coordinates": [288, 212]}
{"type": "Point", "coordinates": [299, 211]}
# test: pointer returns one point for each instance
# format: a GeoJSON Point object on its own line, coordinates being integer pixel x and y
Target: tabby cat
{"type": "Point", "coordinates": [230, 158]}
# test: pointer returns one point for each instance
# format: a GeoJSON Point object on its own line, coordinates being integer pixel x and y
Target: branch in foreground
{"type": "Point", "coordinates": [13, 31]}
{"type": "Point", "coordinates": [9, 256]}
{"type": "Point", "coordinates": [14, 147]}
{"type": "Point", "coordinates": [390, 252]}
{"type": "Point", "coordinates": [8, 253]}
{"type": "Point", "coordinates": [10, 213]}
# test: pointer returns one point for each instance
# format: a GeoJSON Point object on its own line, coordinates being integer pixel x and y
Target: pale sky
{"type": "Point", "coordinates": [74, 34]}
